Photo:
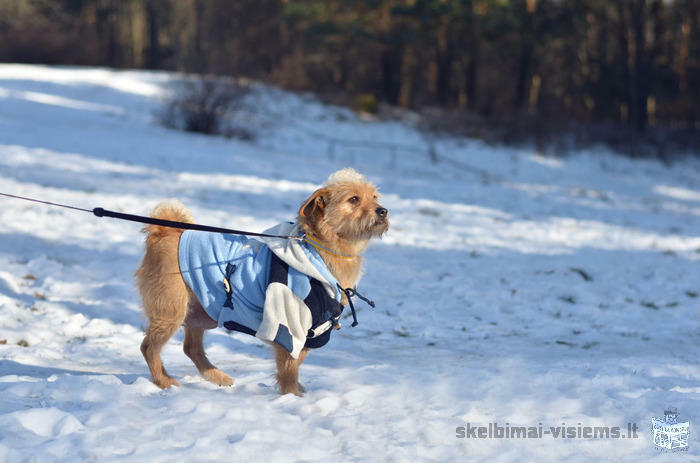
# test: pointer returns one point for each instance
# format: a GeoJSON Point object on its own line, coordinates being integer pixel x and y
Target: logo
{"type": "Point", "coordinates": [669, 434]}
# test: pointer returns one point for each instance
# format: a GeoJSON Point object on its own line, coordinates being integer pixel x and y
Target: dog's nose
{"type": "Point", "coordinates": [382, 212]}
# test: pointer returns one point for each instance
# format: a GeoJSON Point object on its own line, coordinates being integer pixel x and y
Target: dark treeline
{"type": "Point", "coordinates": [635, 62]}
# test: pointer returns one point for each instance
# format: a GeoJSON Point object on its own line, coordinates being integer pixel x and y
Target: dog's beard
{"type": "Point", "coordinates": [371, 228]}
{"type": "Point", "coordinates": [380, 227]}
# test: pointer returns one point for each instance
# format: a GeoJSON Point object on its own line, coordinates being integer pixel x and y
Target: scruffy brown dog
{"type": "Point", "coordinates": [342, 217]}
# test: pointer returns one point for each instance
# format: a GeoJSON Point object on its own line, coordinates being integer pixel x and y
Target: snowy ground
{"type": "Point", "coordinates": [512, 288]}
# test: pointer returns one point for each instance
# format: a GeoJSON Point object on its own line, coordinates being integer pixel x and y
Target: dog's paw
{"type": "Point", "coordinates": [302, 389]}
{"type": "Point", "coordinates": [297, 390]}
{"type": "Point", "coordinates": [218, 377]}
{"type": "Point", "coordinates": [166, 382]}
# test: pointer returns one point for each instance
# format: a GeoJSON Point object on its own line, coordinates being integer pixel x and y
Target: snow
{"type": "Point", "coordinates": [512, 288]}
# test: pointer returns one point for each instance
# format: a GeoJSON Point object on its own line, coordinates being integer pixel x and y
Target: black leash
{"type": "Point", "coordinates": [100, 212]}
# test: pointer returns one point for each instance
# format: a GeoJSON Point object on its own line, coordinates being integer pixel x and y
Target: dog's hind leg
{"type": "Point", "coordinates": [163, 291]}
{"type": "Point", "coordinates": [164, 297]}
{"type": "Point", "coordinates": [157, 334]}
{"type": "Point", "coordinates": [194, 349]}
{"type": "Point", "coordinates": [165, 303]}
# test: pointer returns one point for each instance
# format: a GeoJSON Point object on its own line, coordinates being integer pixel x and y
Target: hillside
{"type": "Point", "coordinates": [511, 288]}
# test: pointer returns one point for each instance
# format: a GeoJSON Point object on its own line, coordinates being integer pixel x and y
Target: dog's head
{"type": "Point", "coordinates": [346, 208]}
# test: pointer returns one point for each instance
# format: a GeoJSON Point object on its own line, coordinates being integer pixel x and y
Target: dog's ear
{"type": "Point", "coordinates": [317, 202]}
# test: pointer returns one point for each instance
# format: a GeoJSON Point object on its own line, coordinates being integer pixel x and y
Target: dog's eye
{"type": "Point", "coordinates": [354, 200]}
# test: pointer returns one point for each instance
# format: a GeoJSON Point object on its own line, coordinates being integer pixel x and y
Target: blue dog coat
{"type": "Point", "coordinates": [276, 289]}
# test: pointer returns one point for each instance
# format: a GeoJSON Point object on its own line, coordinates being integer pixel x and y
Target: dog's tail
{"type": "Point", "coordinates": [172, 210]}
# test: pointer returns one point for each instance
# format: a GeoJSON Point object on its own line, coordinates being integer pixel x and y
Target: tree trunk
{"type": "Point", "coordinates": [641, 78]}
{"type": "Point", "coordinates": [444, 58]}
{"type": "Point", "coordinates": [527, 47]}
{"type": "Point", "coordinates": [407, 77]}
{"type": "Point", "coordinates": [153, 58]}
{"type": "Point", "coordinates": [391, 72]}
{"type": "Point", "coordinates": [472, 76]}
{"type": "Point", "coordinates": [106, 24]}
{"type": "Point", "coordinates": [472, 68]}
{"type": "Point", "coordinates": [624, 63]}
{"type": "Point", "coordinates": [199, 60]}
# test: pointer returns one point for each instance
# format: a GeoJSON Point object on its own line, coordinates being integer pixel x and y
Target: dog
{"type": "Point", "coordinates": [335, 223]}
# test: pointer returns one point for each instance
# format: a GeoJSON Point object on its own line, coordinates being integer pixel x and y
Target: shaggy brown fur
{"type": "Point", "coordinates": [343, 215]}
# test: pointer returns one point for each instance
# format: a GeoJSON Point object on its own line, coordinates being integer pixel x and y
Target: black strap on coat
{"type": "Point", "coordinates": [350, 293]}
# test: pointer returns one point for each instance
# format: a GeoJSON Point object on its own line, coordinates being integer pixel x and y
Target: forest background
{"type": "Point", "coordinates": [625, 72]}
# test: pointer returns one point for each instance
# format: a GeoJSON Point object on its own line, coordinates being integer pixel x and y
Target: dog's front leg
{"type": "Point", "coordinates": [288, 370]}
